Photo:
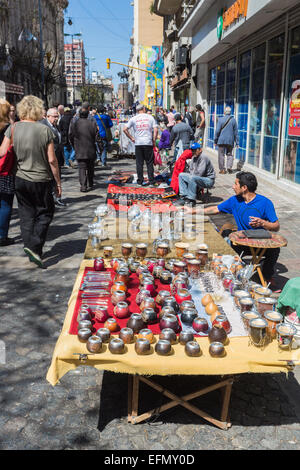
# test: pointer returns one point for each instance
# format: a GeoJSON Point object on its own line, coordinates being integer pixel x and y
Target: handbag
{"type": "Point", "coordinates": [107, 130]}
{"type": "Point", "coordinates": [8, 160]}
{"type": "Point", "coordinates": [157, 157]}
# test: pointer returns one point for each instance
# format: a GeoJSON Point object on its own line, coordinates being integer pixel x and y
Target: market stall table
{"type": "Point", "coordinates": [258, 247]}
{"type": "Point", "coordinates": [119, 228]}
{"type": "Point", "coordinates": [241, 357]}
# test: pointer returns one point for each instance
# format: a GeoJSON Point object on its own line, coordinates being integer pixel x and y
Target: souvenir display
{"type": "Point", "coordinates": [273, 318]}
{"type": "Point", "coordinates": [163, 347]}
{"type": "Point", "coordinates": [174, 300]}
{"type": "Point", "coordinates": [104, 334]}
{"type": "Point", "coordinates": [168, 334]}
{"type": "Point", "coordinates": [116, 346]}
{"type": "Point", "coordinates": [216, 349]}
{"type": "Point", "coordinates": [147, 334]}
{"type": "Point", "coordinates": [192, 349]}
{"type": "Point", "coordinates": [185, 336]}
{"type": "Point", "coordinates": [84, 334]}
{"type": "Point", "coordinates": [142, 346]}
{"type": "Point", "coordinates": [94, 344]}
{"type": "Point", "coordinates": [136, 322]}
{"type": "Point", "coordinates": [285, 335]}
{"type": "Point", "coordinates": [258, 331]}
{"type": "Point", "coordinates": [126, 335]}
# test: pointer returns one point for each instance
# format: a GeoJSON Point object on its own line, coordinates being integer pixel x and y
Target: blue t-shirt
{"type": "Point", "coordinates": [107, 123]}
{"type": "Point", "coordinates": [260, 207]}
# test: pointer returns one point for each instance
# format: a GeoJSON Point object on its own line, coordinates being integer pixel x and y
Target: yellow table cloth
{"type": "Point", "coordinates": [119, 234]}
{"type": "Point", "coordinates": [240, 356]}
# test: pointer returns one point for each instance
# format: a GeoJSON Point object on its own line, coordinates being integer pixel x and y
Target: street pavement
{"type": "Point", "coordinates": [88, 408]}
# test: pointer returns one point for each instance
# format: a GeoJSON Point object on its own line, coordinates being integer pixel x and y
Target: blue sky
{"type": "Point", "coordinates": [106, 27]}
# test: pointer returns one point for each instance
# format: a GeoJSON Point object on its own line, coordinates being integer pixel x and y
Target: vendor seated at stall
{"type": "Point", "coordinates": [201, 175]}
{"type": "Point", "coordinates": [250, 211]}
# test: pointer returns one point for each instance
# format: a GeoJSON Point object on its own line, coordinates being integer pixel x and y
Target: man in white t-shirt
{"type": "Point", "coordinates": [145, 131]}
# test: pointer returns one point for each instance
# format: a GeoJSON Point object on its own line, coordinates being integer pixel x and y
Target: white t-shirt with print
{"type": "Point", "coordinates": [143, 125]}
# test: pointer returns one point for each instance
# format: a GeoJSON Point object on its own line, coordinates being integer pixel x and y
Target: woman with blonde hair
{"type": "Point", "coordinates": [7, 187]}
{"type": "Point", "coordinates": [36, 167]}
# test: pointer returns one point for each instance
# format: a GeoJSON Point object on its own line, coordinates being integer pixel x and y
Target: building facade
{"type": "Point", "coordinates": [74, 69]}
{"type": "Point", "coordinates": [247, 56]}
{"type": "Point", "coordinates": [146, 54]}
{"type": "Point", "coordinates": [179, 80]}
{"type": "Point", "coordinates": [29, 63]}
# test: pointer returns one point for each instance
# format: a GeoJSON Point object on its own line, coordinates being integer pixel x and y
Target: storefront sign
{"type": "Point", "coordinates": [229, 16]}
{"type": "Point", "coordinates": [14, 89]}
{"type": "Point", "coordinates": [294, 111]}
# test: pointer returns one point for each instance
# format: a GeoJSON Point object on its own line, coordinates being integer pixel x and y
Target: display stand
{"type": "Point", "coordinates": [133, 401]}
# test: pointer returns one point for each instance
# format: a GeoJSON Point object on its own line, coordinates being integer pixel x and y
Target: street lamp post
{"type": "Point", "coordinates": [88, 63]}
{"type": "Point", "coordinates": [88, 59]}
{"type": "Point", "coordinates": [73, 65]}
{"type": "Point", "coordinates": [42, 50]}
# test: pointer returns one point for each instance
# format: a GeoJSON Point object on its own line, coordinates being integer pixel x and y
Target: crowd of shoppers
{"type": "Point", "coordinates": [46, 140]}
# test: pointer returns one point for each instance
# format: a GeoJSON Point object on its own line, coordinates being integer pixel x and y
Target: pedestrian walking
{"type": "Point", "coordinates": [145, 131]}
{"type": "Point", "coordinates": [181, 135]}
{"type": "Point", "coordinates": [82, 136]}
{"type": "Point", "coordinates": [61, 112]}
{"type": "Point", "coordinates": [51, 121]}
{"type": "Point", "coordinates": [7, 186]}
{"type": "Point", "coordinates": [64, 125]}
{"type": "Point", "coordinates": [171, 120]}
{"type": "Point", "coordinates": [200, 124]}
{"type": "Point", "coordinates": [189, 117]}
{"type": "Point", "coordinates": [36, 168]}
{"type": "Point", "coordinates": [225, 138]}
{"type": "Point", "coordinates": [105, 124]}
{"type": "Point", "coordinates": [13, 114]}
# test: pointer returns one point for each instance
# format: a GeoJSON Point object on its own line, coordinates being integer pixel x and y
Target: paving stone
{"type": "Point", "coordinates": [35, 415]}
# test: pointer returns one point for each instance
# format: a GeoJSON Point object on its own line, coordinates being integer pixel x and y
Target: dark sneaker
{"type": "Point", "coordinates": [6, 241]}
{"type": "Point", "coordinates": [190, 202]}
{"type": "Point", "coordinates": [60, 203]}
{"type": "Point", "coordinates": [34, 258]}
{"type": "Point", "coordinates": [179, 202]}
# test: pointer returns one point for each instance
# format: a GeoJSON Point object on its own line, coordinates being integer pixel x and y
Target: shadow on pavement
{"type": "Point", "coordinates": [63, 250]}
{"type": "Point", "coordinates": [256, 400]}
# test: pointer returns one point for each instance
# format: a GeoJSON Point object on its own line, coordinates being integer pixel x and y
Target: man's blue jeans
{"type": "Point", "coordinates": [69, 154]}
{"type": "Point", "coordinates": [6, 202]}
{"type": "Point", "coordinates": [103, 155]}
{"type": "Point", "coordinates": [189, 185]}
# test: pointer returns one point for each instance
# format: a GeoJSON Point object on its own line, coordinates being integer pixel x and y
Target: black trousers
{"type": "Point", "coordinates": [86, 173]}
{"type": "Point", "coordinates": [269, 259]}
{"type": "Point", "coordinates": [144, 153]}
{"type": "Point", "coordinates": [36, 210]}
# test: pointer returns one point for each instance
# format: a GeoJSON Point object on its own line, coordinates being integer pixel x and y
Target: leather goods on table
{"type": "Point", "coordinates": [260, 233]}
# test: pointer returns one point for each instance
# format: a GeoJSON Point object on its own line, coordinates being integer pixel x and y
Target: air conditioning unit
{"type": "Point", "coordinates": [181, 56]}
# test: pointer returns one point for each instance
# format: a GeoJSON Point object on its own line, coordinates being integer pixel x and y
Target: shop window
{"type": "Point", "coordinates": [273, 103]}
{"type": "Point", "coordinates": [291, 161]}
{"type": "Point", "coordinates": [243, 100]}
{"type": "Point", "coordinates": [211, 108]}
{"type": "Point", "coordinates": [256, 106]}
{"type": "Point", "coordinates": [220, 91]}
{"type": "Point", "coordinates": [230, 83]}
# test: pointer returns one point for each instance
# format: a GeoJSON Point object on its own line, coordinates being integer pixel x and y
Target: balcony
{"type": "Point", "coordinates": [166, 7]}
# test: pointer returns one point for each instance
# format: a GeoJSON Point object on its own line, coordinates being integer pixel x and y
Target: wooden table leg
{"type": "Point", "coordinates": [135, 397]}
{"type": "Point", "coordinates": [226, 400]}
{"type": "Point", "coordinates": [130, 387]}
{"type": "Point", "coordinates": [257, 254]}
{"type": "Point", "coordinates": [183, 401]}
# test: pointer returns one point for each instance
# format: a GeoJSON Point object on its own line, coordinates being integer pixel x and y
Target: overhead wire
{"type": "Point", "coordinates": [99, 23]}
{"type": "Point", "coordinates": [110, 12]}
